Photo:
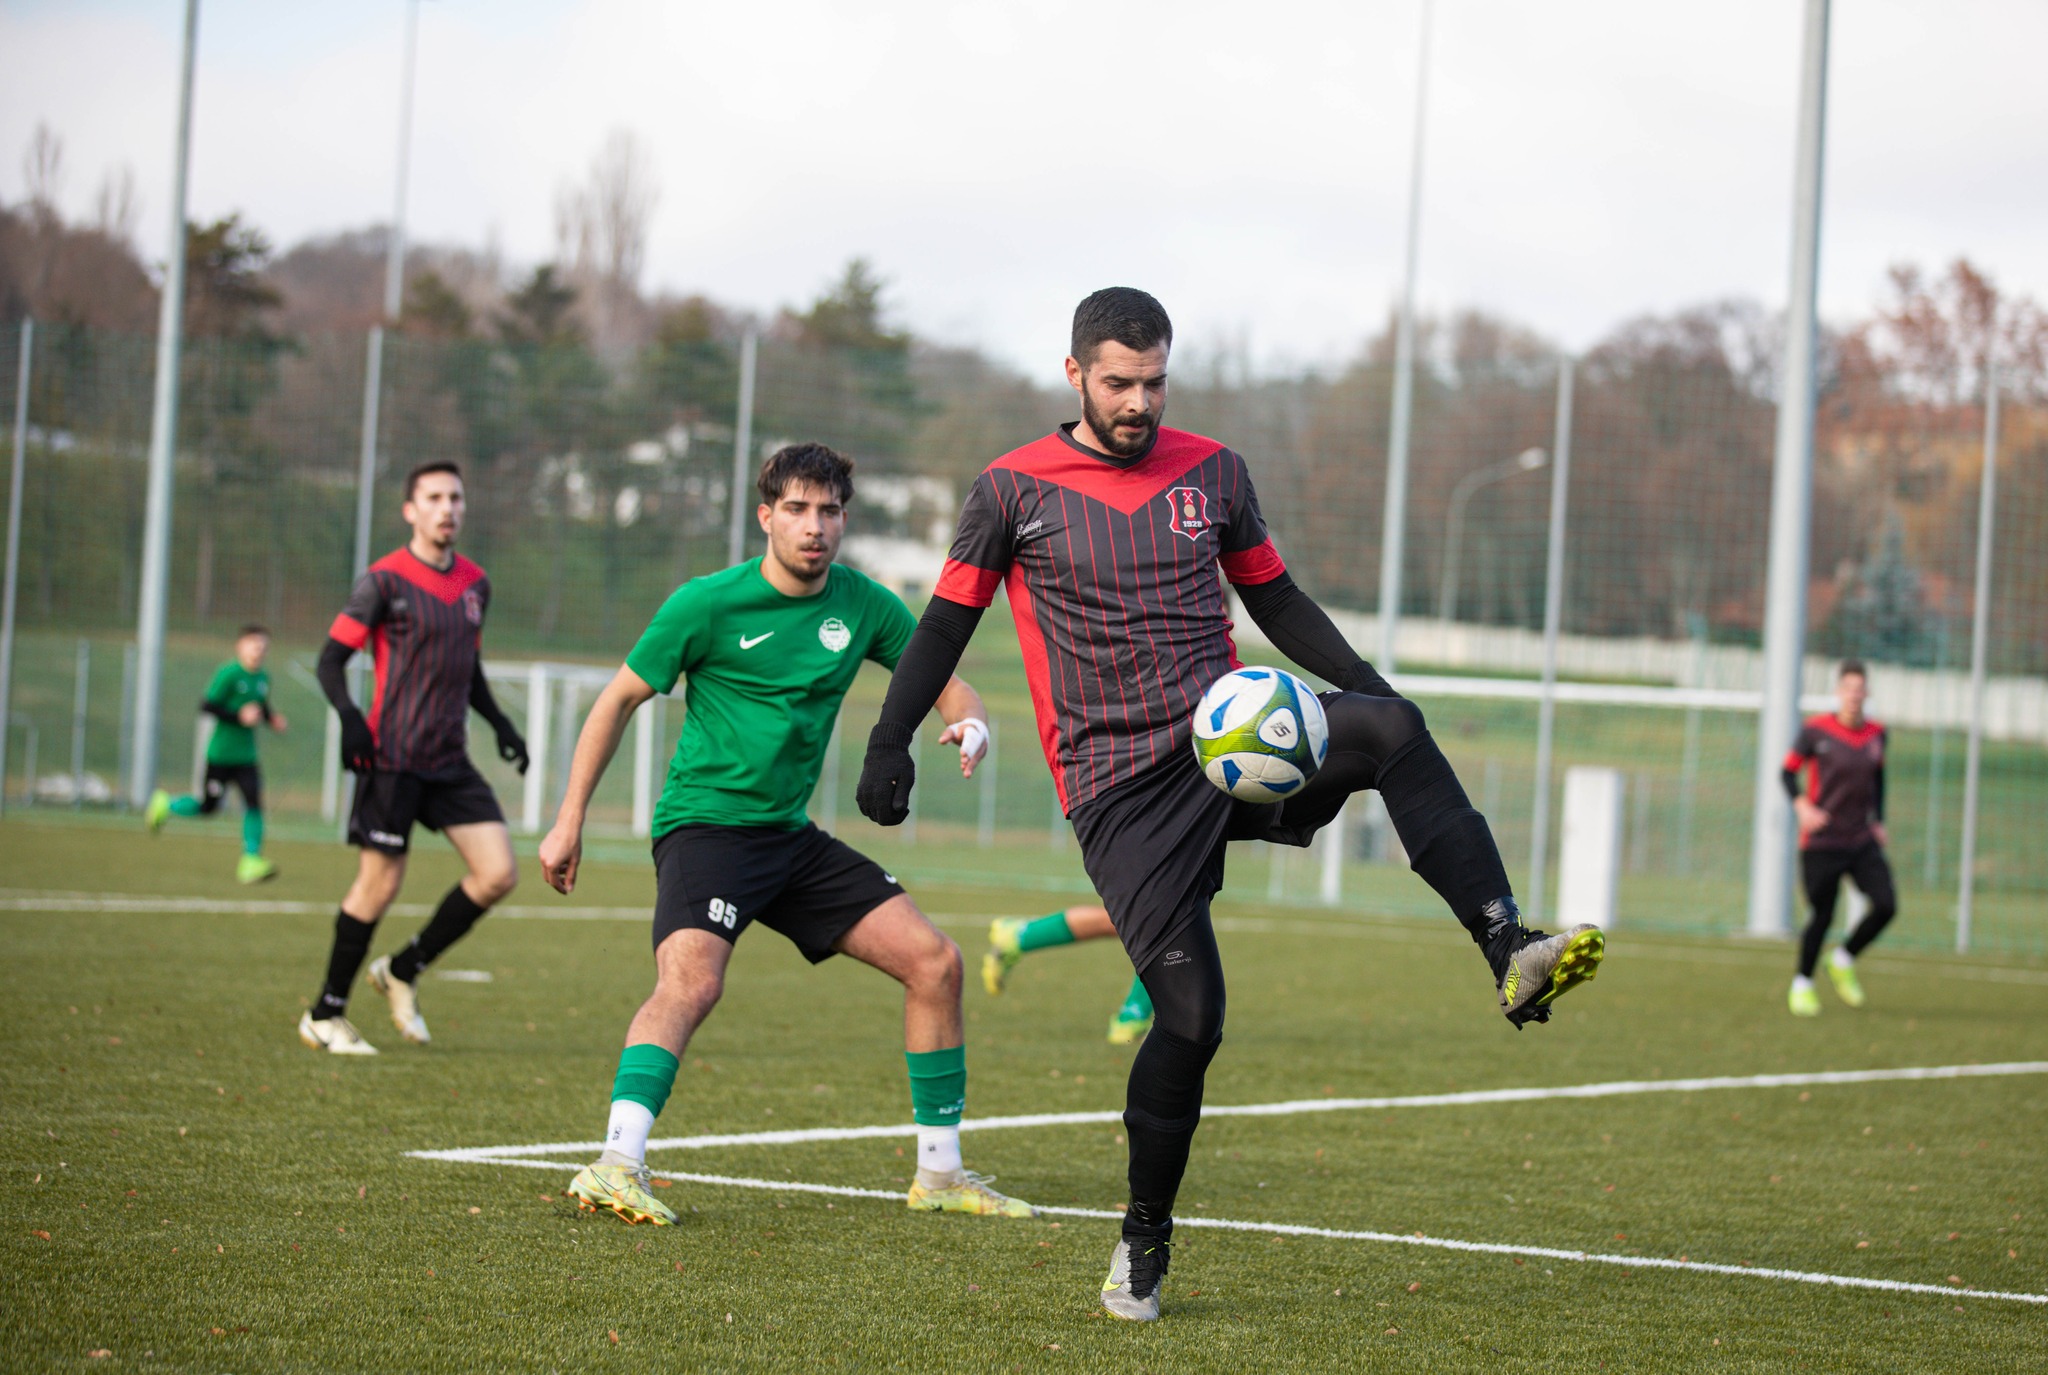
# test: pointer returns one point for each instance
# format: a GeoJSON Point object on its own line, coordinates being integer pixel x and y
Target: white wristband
{"type": "Point", "coordinates": [973, 736]}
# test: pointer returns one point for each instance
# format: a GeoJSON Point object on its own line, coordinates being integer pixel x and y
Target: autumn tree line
{"type": "Point", "coordinates": [596, 419]}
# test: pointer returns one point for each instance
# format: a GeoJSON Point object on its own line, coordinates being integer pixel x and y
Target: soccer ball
{"type": "Point", "coordinates": [1260, 734]}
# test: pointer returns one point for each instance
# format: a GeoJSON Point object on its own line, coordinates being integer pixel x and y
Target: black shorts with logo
{"type": "Point", "coordinates": [1154, 848]}
{"type": "Point", "coordinates": [388, 804]}
{"type": "Point", "coordinates": [246, 777]}
{"type": "Point", "coordinates": [808, 885]}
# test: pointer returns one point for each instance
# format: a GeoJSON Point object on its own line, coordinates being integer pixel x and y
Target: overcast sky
{"type": "Point", "coordinates": [1587, 160]}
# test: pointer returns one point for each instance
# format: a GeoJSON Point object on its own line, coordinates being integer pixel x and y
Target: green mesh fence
{"type": "Point", "coordinates": [597, 484]}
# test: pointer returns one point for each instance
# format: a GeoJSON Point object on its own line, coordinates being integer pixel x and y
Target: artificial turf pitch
{"type": "Point", "coordinates": [190, 1188]}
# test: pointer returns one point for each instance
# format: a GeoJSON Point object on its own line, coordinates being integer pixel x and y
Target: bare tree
{"type": "Point", "coordinates": [601, 231]}
{"type": "Point", "coordinates": [117, 208]}
{"type": "Point", "coordinates": [42, 169]}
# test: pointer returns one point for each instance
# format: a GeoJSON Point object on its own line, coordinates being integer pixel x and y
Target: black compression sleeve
{"type": "Point", "coordinates": [216, 710]}
{"type": "Point", "coordinates": [1877, 802]}
{"type": "Point", "coordinates": [481, 700]}
{"type": "Point", "coordinates": [333, 679]}
{"type": "Point", "coordinates": [928, 662]}
{"type": "Point", "coordinates": [1303, 632]}
{"type": "Point", "coordinates": [1790, 778]}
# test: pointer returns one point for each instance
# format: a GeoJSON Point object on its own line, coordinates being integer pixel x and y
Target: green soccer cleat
{"type": "Point", "coordinates": [1804, 1002]}
{"type": "Point", "coordinates": [156, 811]}
{"type": "Point", "coordinates": [1131, 1291]}
{"type": "Point", "coordinates": [254, 869]}
{"type": "Point", "coordinates": [1545, 968]}
{"type": "Point", "coordinates": [1130, 1024]}
{"type": "Point", "coordinates": [1847, 987]}
{"type": "Point", "coordinates": [622, 1190]}
{"type": "Point", "coordinates": [968, 1193]}
{"type": "Point", "coordinates": [1003, 953]}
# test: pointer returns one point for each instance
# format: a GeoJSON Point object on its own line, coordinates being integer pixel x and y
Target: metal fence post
{"type": "Point", "coordinates": [742, 449]}
{"type": "Point", "coordinates": [80, 699]}
{"type": "Point", "coordinates": [1553, 616]}
{"type": "Point", "coordinates": [985, 825]}
{"type": "Point", "coordinates": [536, 747]}
{"type": "Point", "coordinates": [1980, 636]}
{"type": "Point", "coordinates": [13, 575]}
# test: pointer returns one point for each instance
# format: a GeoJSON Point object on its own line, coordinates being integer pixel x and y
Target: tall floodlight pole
{"type": "Point", "coordinates": [1553, 622]}
{"type": "Point", "coordinates": [13, 576]}
{"type": "Point", "coordinates": [1980, 641]}
{"type": "Point", "coordinates": [1770, 850]}
{"type": "Point", "coordinates": [394, 283]}
{"type": "Point", "coordinates": [742, 449]}
{"type": "Point", "coordinates": [163, 445]}
{"type": "Point", "coordinates": [1394, 516]}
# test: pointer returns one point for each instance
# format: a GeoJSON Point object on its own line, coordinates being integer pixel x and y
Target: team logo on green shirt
{"type": "Point", "coordinates": [834, 635]}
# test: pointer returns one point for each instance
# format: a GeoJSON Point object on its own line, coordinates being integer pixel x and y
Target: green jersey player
{"type": "Point", "coordinates": [238, 698]}
{"type": "Point", "coordinates": [769, 648]}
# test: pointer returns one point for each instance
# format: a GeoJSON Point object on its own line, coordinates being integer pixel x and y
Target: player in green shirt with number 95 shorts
{"type": "Point", "coordinates": [769, 648]}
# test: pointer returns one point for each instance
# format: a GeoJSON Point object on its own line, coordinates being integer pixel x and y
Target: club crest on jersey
{"type": "Point", "coordinates": [473, 607]}
{"type": "Point", "coordinates": [834, 635]}
{"type": "Point", "coordinates": [1190, 511]}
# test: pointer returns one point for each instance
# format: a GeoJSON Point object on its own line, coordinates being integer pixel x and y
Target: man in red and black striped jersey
{"type": "Point", "coordinates": [420, 613]}
{"type": "Point", "coordinates": [1112, 537]}
{"type": "Point", "coordinates": [1841, 833]}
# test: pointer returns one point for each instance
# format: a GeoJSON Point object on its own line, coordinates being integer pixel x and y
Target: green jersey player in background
{"type": "Point", "coordinates": [238, 699]}
{"type": "Point", "coordinates": [1010, 939]}
{"type": "Point", "coordinates": [770, 647]}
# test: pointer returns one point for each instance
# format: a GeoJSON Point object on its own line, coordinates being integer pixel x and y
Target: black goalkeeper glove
{"type": "Point", "coordinates": [886, 776]}
{"type": "Point", "coordinates": [358, 743]}
{"type": "Point", "coordinates": [512, 746]}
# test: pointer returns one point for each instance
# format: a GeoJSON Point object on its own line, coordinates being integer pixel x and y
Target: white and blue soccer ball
{"type": "Point", "coordinates": [1260, 734]}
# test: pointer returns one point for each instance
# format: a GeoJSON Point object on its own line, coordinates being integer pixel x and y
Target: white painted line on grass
{"type": "Point", "coordinates": [1493, 1248]}
{"type": "Point", "coordinates": [1290, 1107]}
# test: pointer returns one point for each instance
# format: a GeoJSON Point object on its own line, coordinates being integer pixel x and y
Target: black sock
{"type": "Point", "coordinates": [451, 922]}
{"type": "Point", "coordinates": [1450, 845]}
{"type": "Point", "coordinates": [351, 944]}
{"type": "Point", "coordinates": [1162, 1109]}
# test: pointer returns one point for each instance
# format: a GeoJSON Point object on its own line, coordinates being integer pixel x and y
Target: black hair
{"type": "Point", "coordinates": [806, 465]}
{"type": "Point", "coordinates": [443, 465]}
{"type": "Point", "coordinates": [253, 629]}
{"type": "Point", "coordinates": [1854, 666]}
{"type": "Point", "coordinates": [1125, 314]}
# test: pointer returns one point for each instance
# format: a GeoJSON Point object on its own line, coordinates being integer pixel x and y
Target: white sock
{"type": "Point", "coordinates": [1843, 959]}
{"type": "Point", "coordinates": [938, 1149]}
{"type": "Point", "coordinates": [1800, 984]}
{"type": "Point", "coordinates": [627, 1133]}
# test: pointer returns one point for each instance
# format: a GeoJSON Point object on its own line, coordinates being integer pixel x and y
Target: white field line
{"type": "Point", "coordinates": [19, 900]}
{"type": "Point", "coordinates": [1329, 1233]}
{"type": "Point", "coordinates": [1290, 1107]}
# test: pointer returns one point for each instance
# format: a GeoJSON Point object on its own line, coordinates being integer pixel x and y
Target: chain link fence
{"type": "Point", "coordinates": [596, 485]}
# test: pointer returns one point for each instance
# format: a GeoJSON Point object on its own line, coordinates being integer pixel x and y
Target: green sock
{"type": "Point", "coordinates": [1137, 1003]}
{"type": "Point", "coordinates": [252, 833]}
{"type": "Point", "coordinates": [646, 1074]}
{"type": "Point", "coordinates": [1040, 932]}
{"type": "Point", "coordinates": [938, 1085]}
{"type": "Point", "coordinates": [185, 806]}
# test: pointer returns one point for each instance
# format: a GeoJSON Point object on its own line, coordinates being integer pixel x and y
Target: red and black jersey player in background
{"type": "Point", "coordinates": [1841, 833]}
{"type": "Point", "coordinates": [1112, 536]}
{"type": "Point", "coordinates": [419, 612]}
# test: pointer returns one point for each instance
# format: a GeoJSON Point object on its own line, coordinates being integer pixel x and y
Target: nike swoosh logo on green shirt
{"type": "Point", "coordinates": [746, 643]}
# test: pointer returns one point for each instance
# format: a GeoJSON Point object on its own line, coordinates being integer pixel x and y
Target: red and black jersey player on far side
{"type": "Point", "coordinates": [1113, 535]}
{"type": "Point", "coordinates": [419, 611]}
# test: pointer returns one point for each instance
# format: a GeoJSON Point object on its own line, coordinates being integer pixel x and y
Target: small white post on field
{"type": "Point", "coordinates": [536, 748]}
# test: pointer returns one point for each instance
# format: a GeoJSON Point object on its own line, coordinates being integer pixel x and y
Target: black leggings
{"type": "Point", "coordinates": [1821, 871]}
{"type": "Point", "coordinates": [1163, 1102]}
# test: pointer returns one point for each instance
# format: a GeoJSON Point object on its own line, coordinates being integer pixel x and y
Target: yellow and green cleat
{"type": "Point", "coordinates": [1130, 1024]}
{"type": "Point", "coordinates": [1847, 987]}
{"type": "Point", "coordinates": [1548, 967]}
{"type": "Point", "coordinates": [254, 869]}
{"type": "Point", "coordinates": [156, 811]}
{"type": "Point", "coordinates": [967, 1193]}
{"type": "Point", "coordinates": [1804, 1001]}
{"type": "Point", "coordinates": [622, 1190]}
{"type": "Point", "coordinates": [1003, 953]}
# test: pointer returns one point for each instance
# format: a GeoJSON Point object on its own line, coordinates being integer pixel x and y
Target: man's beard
{"type": "Point", "coordinates": [1106, 431]}
{"type": "Point", "coordinates": [795, 568]}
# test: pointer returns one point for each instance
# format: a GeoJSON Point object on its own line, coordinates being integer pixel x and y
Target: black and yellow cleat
{"type": "Point", "coordinates": [1545, 968]}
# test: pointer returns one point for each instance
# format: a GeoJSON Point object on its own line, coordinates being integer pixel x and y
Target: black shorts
{"type": "Point", "coordinates": [807, 885]}
{"type": "Point", "coordinates": [387, 805]}
{"type": "Point", "coordinates": [1154, 848]}
{"type": "Point", "coordinates": [246, 777]}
